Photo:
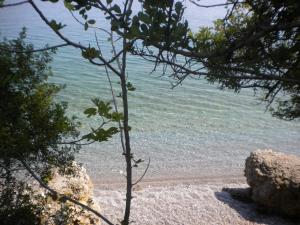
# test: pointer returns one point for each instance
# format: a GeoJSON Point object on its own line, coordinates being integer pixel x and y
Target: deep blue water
{"type": "Point", "coordinates": [192, 130]}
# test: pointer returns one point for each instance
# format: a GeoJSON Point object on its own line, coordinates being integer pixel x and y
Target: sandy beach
{"type": "Point", "coordinates": [184, 202]}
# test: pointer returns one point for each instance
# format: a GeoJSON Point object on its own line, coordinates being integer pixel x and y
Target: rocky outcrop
{"type": "Point", "coordinates": [79, 187]}
{"type": "Point", "coordinates": [274, 179]}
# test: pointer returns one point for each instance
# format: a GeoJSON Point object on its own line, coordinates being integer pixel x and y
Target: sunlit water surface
{"type": "Point", "coordinates": [191, 131]}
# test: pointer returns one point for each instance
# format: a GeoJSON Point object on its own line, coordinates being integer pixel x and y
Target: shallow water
{"type": "Point", "coordinates": [192, 130]}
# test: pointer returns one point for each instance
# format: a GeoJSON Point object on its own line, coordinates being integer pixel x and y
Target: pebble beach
{"type": "Point", "coordinates": [184, 203]}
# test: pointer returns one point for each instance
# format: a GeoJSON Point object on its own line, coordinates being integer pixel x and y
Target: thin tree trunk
{"type": "Point", "coordinates": [128, 155]}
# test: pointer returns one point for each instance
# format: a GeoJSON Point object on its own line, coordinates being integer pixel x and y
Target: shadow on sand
{"type": "Point", "coordinates": [248, 210]}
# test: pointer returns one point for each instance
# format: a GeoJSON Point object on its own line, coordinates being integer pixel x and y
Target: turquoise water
{"type": "Point", "coordinates": [192, 130]}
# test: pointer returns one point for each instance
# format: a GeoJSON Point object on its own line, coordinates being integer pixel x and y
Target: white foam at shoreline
{"type": "Point", "coordinates": [201, 204]}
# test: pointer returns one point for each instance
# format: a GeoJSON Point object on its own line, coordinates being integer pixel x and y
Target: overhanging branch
{"type": "Point", "coordinates": [35, 50]}
{"type": "Point", "coordinates": [13, 4]}
{"type": "Point", "coordinates": [214, 5]}
{"type": "Point", "coordinates": [76, 45]}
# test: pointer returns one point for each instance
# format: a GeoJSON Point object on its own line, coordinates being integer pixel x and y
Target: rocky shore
{"type": "Point", "coordinates": [198, 204]}
{"type": "Point", "coordinates": [272, 179]}
{"type": "Point", "coordinates": [78, 186]}
{"type": "Point", "coordinates": [269, 190]}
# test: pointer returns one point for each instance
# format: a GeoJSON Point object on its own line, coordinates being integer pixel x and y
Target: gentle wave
{"type": "Point", "coordinates": [192, 129]}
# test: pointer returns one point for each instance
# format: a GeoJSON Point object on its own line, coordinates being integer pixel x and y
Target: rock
{"type": "Point", "coordinates": [274, 179]}
{"type": "Point", "coordinates": [79, 187]}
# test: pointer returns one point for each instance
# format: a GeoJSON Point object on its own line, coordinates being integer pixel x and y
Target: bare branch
{"type": "Point", "coordinates": [246, 74]}
{"type": "Point", "coordinates": [115, 51]}
{"type": "Point", "coordinates": [35, 50]}
{"type": "Point", "coordinates": [141, 178]}
{"type": "Point", "coordinates": [13, 4]}
{"type": "Point", "coordinates": [76, 45]}
{"type": "Point", "coordinates": [112, 90]}
{"type": "Point", "coordinates": [95, 27]}
{"type": "Point", "coordinates": [273, 98]}
{"type": "Point", "coordinates": [213, 5]}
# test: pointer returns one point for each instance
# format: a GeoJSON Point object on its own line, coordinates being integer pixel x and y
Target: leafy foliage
{"type": "Point", "coordinates": [104, 110]}
{"type": "Point", "coordinates": [160, 22]}
{"type": "Point", "coordinates": [257, 46]}
{"type": "Point", "coordinates": [56, 26]}
{"type": "Point", "coordinates": [15, 204]}
{"type": "Point", "coordinates": [30, 121]}
{"type": "Point", "coordinates": [130, 87]}
{"type": "Point", "coordinates": [32, 125]}
{"type": "Point", "coordinates": [90, 53]}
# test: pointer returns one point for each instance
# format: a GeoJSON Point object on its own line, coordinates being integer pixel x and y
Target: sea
{"type": "Point", "coordinates": [194, 130]}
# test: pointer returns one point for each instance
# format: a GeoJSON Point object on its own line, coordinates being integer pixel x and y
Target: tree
{"type": "Point", "coordinates": [260, 40]}
{"type": "Point", "coordinates": [125, 28]}
{"type": "Point", "coordinates": [159, 33]}
{"type": "Point", "coordinates": [36, 135]}
{"type": "Point", "coordinates": [255, 46]}
{"type": "Point", "coordinates": [31, 126]}
{"type": "Point", "coordinates": [120, 19]}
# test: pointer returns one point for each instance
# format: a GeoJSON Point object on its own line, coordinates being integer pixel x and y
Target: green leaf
{"type": "Point", "coordinates": [128, 12]}
{"type": "Point", "coordinates": [139, 161]}
{"type": "Point", "coordinates": [116, 117]}
{"type": "Point", "coordinates": [90, 112]}
{"type": "Point", "coordinates": [104, 108]}
{"type": "Point", "coordinates": [144, 17]}
{"type": "Point", "coordinates": [86, 26]}
{"type": "Point", "coordinates": [103, 135]}
{"type": "Point", "coordinates": [108, 2]}
{"type": "Point", "coordinates": [88, 137]}
{"type": "Point", "coordinates": [144, 28]}
{"type": "Point", "coordinates": [56, 26]}
{"type": "Point", "coordinates": [178, 7]}
{"type": "Point", "coordinates": [114, 25]}
{"type": "Point", "coordinates": [68, 5]}
{"type": "Point", "coordinates": [82, 11]}
{"type": "Point", "coordinates": [116, 8]}
{"type": "Point", "coordinates": [91, 21]}
{"type": "Point", "coordinates": [130, 87]}
{"type": "Point", "coordinates": [90, 53]}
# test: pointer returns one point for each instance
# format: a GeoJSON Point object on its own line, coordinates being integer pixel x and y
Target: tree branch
{"type": "Point", "coordinates": [76, 45]}
{"type": "Point", "coordinates": [247, 74]}
{"type": "Point", "coordinates": [35, 50]}
{"type": "Point", "coordinates": [140, 179]}
{"type": "Point", "coordinates": [13, 4]}
{"type": "Point", "coordinates": [213, 5]}
{"type": "Point", "coordinates": [111, 88]}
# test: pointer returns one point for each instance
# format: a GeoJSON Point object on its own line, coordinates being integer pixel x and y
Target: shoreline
{"type": "Point", "coordinates": [178, 200]}
{"type": "Point", "coordinates": [184, 203]}
{"type": "Point", "coordinates": [167, 181]}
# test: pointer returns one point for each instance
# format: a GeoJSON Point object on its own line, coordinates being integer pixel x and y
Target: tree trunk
{"type": "Point", "coordinates": [127, 153]}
